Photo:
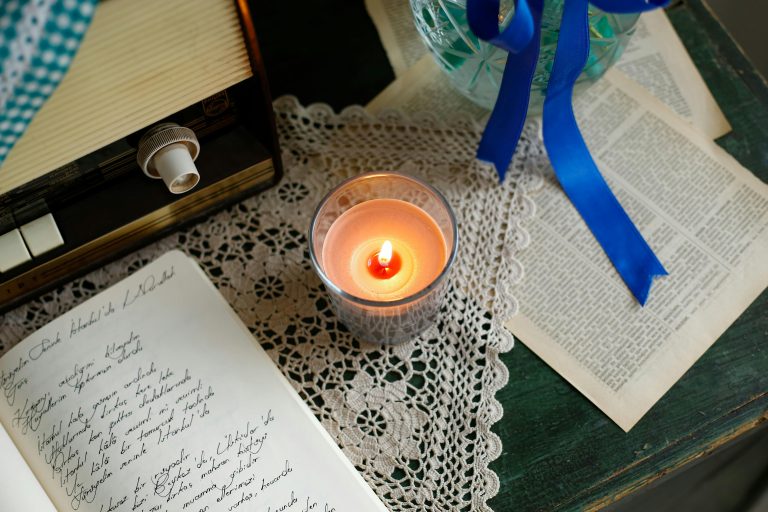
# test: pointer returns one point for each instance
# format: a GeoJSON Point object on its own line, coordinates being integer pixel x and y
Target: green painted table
{"type": "Point", "coordinates": [560, 452]}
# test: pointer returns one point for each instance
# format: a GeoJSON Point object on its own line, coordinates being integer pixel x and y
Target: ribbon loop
{"type": "Point", "coordinates": [483, 15]}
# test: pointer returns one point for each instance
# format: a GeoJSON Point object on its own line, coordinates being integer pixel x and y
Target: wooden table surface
{"type": "Point", "coordinates": [560, 451]}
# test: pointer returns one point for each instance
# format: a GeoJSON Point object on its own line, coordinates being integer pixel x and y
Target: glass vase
{"type": "Point", "coordinates": [475, 67]}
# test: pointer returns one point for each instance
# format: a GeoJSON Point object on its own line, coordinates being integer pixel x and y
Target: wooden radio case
{"type": "Point", "coordinates": [75, 191]}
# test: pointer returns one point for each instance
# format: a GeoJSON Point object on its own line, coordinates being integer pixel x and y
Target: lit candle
{"type": "Point", "coordinates": [384, 250]}
{"type": "Point", "coordinates": [383, 244]}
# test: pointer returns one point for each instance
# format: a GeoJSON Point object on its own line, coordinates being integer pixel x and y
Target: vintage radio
{"type": "Point", "coordinates": [171, 89]}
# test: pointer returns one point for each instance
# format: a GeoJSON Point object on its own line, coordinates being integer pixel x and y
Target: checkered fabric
{"type": "Point", "coordinates": [38, 39]}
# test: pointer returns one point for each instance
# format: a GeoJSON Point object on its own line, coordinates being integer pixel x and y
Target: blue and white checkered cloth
{"type": "Point", "coordinates": [38, 40]}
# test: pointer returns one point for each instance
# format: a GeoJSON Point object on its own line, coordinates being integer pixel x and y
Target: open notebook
{"type": "Point", "coordinates": [153, 396]}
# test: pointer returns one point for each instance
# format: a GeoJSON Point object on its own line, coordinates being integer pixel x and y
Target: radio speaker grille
{"type": "Point", "coordinates": [140, 61]}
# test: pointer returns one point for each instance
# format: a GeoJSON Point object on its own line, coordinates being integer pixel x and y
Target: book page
{"type": "Point", "coordinates": [397, 31]}
{"type": "Point", "coordinates": [153, 396]}
{"type": "Point", "coordinates": [705, 216]}
{"type": "Point", "coordinates": [424, 88]}
{"type": "Point", "coordinates": [656, 59]}
{"type": "Point", "coordinates": [19, 490]}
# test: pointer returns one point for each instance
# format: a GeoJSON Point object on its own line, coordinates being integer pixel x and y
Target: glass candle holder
{"type": "Point", "coordinates": [383, 243]}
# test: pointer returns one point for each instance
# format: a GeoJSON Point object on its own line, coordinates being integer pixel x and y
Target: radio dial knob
{"type": "Point", "coordinates": [168, 152]}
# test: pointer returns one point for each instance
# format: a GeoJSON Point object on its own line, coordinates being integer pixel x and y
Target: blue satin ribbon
{"type": "Point", "coordinates": [573, 165]}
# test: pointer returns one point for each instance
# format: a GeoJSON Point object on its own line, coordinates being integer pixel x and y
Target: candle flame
{"type": "Point", "coordinates": [385, 254]}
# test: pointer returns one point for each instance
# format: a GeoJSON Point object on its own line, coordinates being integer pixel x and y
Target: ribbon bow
{"type": "Point", "coordinates": [573, 165]}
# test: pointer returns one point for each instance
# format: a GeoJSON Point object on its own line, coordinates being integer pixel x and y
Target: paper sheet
{"type": "Point", "coordinates": [20, 490]}
{"type": "Point", "coordinates": [700, 210]}
{"type": "Point", "coordinates": [398, 34]}
{"type": "Point", "coordinates": [655, 58]}
{"type": "Point", "coordinates": [424, 88]}
{"type": "Point", "coordinates": [154, 396]}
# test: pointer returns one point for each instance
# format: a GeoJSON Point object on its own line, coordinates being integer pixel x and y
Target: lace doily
{"type": "Point", "coordinates": [415, 418]}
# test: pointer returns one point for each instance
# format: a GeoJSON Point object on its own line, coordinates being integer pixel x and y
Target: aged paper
{"type": "Point", "coordinates": [153, 396]}
{"type": "Point", "coordinates": [424, 88]}
{"type": "Point", "coordinates": [657, 60]}
{"type": "Point", "coordinates": [704, 215]}
{"type": "Point", "coordinates": [398, 34]}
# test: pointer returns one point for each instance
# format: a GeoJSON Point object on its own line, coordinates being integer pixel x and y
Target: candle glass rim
{"type": "Point", "coordinates": [385, 303]}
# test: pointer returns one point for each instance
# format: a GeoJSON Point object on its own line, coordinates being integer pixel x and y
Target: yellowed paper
{"type": "Point", "coordinates": [398, 34]}
{"type": "Point", "coordinates": [153, 395]}
{"type": "Point", "coordinates": [657, 60]}
{"type": "Point", "coordinates": [20, 490]}
{"type": "Point", "coordinates": [424, 88]}
{"type": "Point", "coordinates": [705, 216]}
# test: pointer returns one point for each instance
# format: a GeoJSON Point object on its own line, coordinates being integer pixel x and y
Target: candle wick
{"type": "Point", "coordinates": [384, 263]}
{"type": "Point", "coordinates": [385, 254]}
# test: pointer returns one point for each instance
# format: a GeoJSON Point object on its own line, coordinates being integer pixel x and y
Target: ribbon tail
{"type": "Point", "coordinates": [579, 176]}
{"type": "Point", "coordinates": [645, 274]}
{"type": "Point", "coordinates": [506, 122]}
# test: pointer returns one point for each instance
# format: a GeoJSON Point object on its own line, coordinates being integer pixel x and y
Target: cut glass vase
{"type": "Point", "coordinates": [475, 67]}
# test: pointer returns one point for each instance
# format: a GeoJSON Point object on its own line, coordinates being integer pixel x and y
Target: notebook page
{"type": "Point", "coordinates": [154, 396]}
{"type": "Point", "coordinates": [20, 489]}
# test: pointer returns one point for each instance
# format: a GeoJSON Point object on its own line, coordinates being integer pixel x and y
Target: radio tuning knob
{"type": "Point", "coordinates": [168, 152]}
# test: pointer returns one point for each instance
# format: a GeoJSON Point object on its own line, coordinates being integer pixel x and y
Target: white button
{"type": "Point", "coordinates": [42, 235]}
{"type": "Point", "coordinates": [13, 252]}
